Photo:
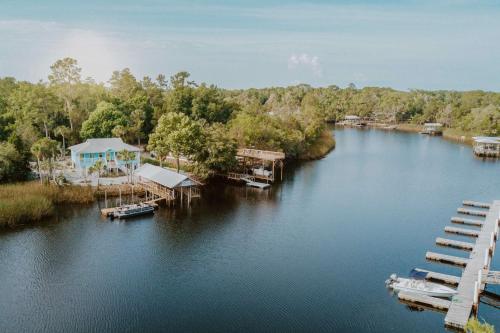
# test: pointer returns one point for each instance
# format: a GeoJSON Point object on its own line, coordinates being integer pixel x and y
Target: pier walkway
{"type": "Point", "coordinates": [471, 282]}
{"type": "Point", "coordinates": [476, 268]}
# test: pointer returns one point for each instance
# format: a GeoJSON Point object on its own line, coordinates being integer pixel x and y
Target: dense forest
{"type": "Point", "coordinates": [179, 117]}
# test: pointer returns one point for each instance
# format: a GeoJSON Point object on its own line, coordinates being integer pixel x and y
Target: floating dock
{"type": "Point", "coordinates": [460, 220]}
{"type": "Point", "coordinates": [476, 268]}
{"type": "Point", "coordinates": [455, 244]}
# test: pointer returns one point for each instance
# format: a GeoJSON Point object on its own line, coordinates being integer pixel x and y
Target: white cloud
{"type": "Point", "coordinates": [305, 60]}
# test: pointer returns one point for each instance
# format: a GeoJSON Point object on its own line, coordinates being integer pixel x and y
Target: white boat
{"type": "Point", "coordinates": [133, 210]}
{"type": "Point", "coordinates": [419, 286]}
{"type": "Point", "coordinates": [262, 172]}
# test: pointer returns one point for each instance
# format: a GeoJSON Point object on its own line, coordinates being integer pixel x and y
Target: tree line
{"type": "Point", "coordinates": [180, 118]}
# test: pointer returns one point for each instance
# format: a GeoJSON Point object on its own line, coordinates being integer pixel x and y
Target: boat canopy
{"type": "Point", "coordinates": [418, 275]}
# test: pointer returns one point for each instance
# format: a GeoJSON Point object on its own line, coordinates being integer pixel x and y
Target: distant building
{"type": "Point", "coordinates": [84, 155]}
{"type": "Point", "coordinates": [485, 146]}
{"type": "Point", "coordinates": [433, 129]}
{"type": "Point", "coordinates": [352, 120]}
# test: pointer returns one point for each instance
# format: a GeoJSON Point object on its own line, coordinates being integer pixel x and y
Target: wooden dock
{"type": "Point", "coordinates": [470, 283]}
{"type": "Point", "coordinates": [419, 299]}
{"type": "Point", "coordinates": [447, 259]}
{"type": "Point", "coordinates": [476, 204]}
{"type": "Point", "coordinates": [476, 268]}
{"type": "Point", "coordinates": [454, 244]}
{"type": "Point", "coordinates": [472, 212]}
{"type": "Point", "coordinates": [440, 277]}
{"type": "Point", "coordinates": [461, 231]}
{"type": "Point", "coordinates": [471, 222]}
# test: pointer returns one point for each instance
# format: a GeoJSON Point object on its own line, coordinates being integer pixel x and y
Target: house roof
{"type": "Point", "coordinates": [163, 176]}
{"type": "Point", "coordinates": [102, 145]}
{"type": "Point", "coordinates": [487, 139]}
{"type": "Point", "coordinates": [261, 154]}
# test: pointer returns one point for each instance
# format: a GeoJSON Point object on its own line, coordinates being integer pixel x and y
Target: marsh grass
{"type": "Point", "coordinates": [28, 202]}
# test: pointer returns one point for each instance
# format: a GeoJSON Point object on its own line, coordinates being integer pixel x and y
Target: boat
{"type": "Point", "coordinates": [262, 172]}
{"type": "Point", "coordinates": [132, 210]}
{"type": "Point", "coordinates": [416, 283]}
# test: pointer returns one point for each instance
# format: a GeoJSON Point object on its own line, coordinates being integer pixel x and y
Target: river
{"type": "Point", "coordinates": [311, 254]}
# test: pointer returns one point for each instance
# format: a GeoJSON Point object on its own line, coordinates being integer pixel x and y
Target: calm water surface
{"type": "Point", "coordinates": [311, 254]}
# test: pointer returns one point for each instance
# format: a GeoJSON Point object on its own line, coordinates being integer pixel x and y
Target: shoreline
{"type": "Point", "coordinates": [320, 148]}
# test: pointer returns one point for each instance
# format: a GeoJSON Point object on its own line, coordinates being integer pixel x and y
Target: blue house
{"type": "Point", "coordinates": [84, 155]}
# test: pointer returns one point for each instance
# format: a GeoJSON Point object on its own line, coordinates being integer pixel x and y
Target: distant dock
{"type": "Point", "coordinates": [476, 267]}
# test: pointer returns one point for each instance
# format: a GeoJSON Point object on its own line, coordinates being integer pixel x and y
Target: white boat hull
{"type": "Point", "coordinates": [421, 287]}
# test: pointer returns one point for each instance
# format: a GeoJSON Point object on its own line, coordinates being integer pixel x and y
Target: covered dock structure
{"type": "Point", "coordinates": [486, 146]}
{"type": "Point", "coordinates": [433, 129]}
{"type": "Point", "coordinates": [161, 183]}
{"type": "Point", "coordinates": [259, 164]}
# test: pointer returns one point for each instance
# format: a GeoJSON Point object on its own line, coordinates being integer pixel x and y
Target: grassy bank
{"type": "Point", "coordinates": [29, 202]}
{"type": "Point", "coordinates": [320, 148]}
{"type": "Point", "coordinates": [448, 133]}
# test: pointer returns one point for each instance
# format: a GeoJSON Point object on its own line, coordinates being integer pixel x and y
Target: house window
{"type": "Point", "coordinates": [81, 157]}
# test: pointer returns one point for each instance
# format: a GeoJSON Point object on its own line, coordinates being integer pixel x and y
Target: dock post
{"type": "Point", "coordinates": [120, 191]}
{"type": "Point", "coordinates": [486, 255]}
{"type": "Point", "coordinates": [106, 198]}
{"type": "Point", "coordinates": [476, 297]}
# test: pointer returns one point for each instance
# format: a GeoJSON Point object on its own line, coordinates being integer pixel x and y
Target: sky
{"type": "Point", "coordinates": [424, 44]}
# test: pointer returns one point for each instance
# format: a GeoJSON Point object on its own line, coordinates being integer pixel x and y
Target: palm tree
{"type": "Point", "coordinates": [63, 132]}
{"type": "Point", "coordinates": [98, 167]}
{"type": "Point", "coordinates": [37, 150]}
{"type": "Point", "coordinates": [127, 157]}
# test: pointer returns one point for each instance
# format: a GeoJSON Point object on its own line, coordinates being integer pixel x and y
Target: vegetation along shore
{"type": "Point", "coordinates": [179, 119]}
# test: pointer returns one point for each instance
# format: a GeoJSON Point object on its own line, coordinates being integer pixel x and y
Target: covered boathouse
{"type": "Point", "coordinates": [161, 183]}
{"type": "Point", "coordinates": [486, 146]}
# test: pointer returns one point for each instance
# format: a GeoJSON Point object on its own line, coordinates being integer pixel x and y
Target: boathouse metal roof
{"type": "Point", "coordinates": [102, 145]}
{"type": "Point", "coordinates": [487, 139]}
{"type": "Point", "coordinates": [162, 176]}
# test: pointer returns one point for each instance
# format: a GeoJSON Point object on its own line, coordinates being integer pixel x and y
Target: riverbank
{"type": "Point", "coordinates": [30, 202]}
{"type": "Point", "coordinates": [448, 133]}
{"type": "Point", "coordinates": [319, 149]}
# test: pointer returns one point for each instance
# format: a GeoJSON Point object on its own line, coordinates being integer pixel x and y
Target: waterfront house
{"type": "Point", "coordinates": [84, 155]}
{"type": "Point", "coordinates": [433, 129]}
{"type": "Point", "coordinates": [485, 146]}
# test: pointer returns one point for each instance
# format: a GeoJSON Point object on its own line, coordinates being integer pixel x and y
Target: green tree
{"type": "Point", "coordinates": [64, 77]}
{"type": "Point", "coordinates": [98, 168]}
{"type": "Point", "coordinates": [63, 132]}
{"type": "Point", "coordinates": [102, 121]}
{"type": "Point", "coordinates": [45, 150]}
{"type": "Point", "coordinates": [127, 157]}
{"type": "Point", "coordinates": [208, 103]}
{"type": "Point", "coordinates": [12, 164]}
{"type": "Point", "coordinates": [219, 149]}
{"type": "Point", "coordinates": [178, 135]}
